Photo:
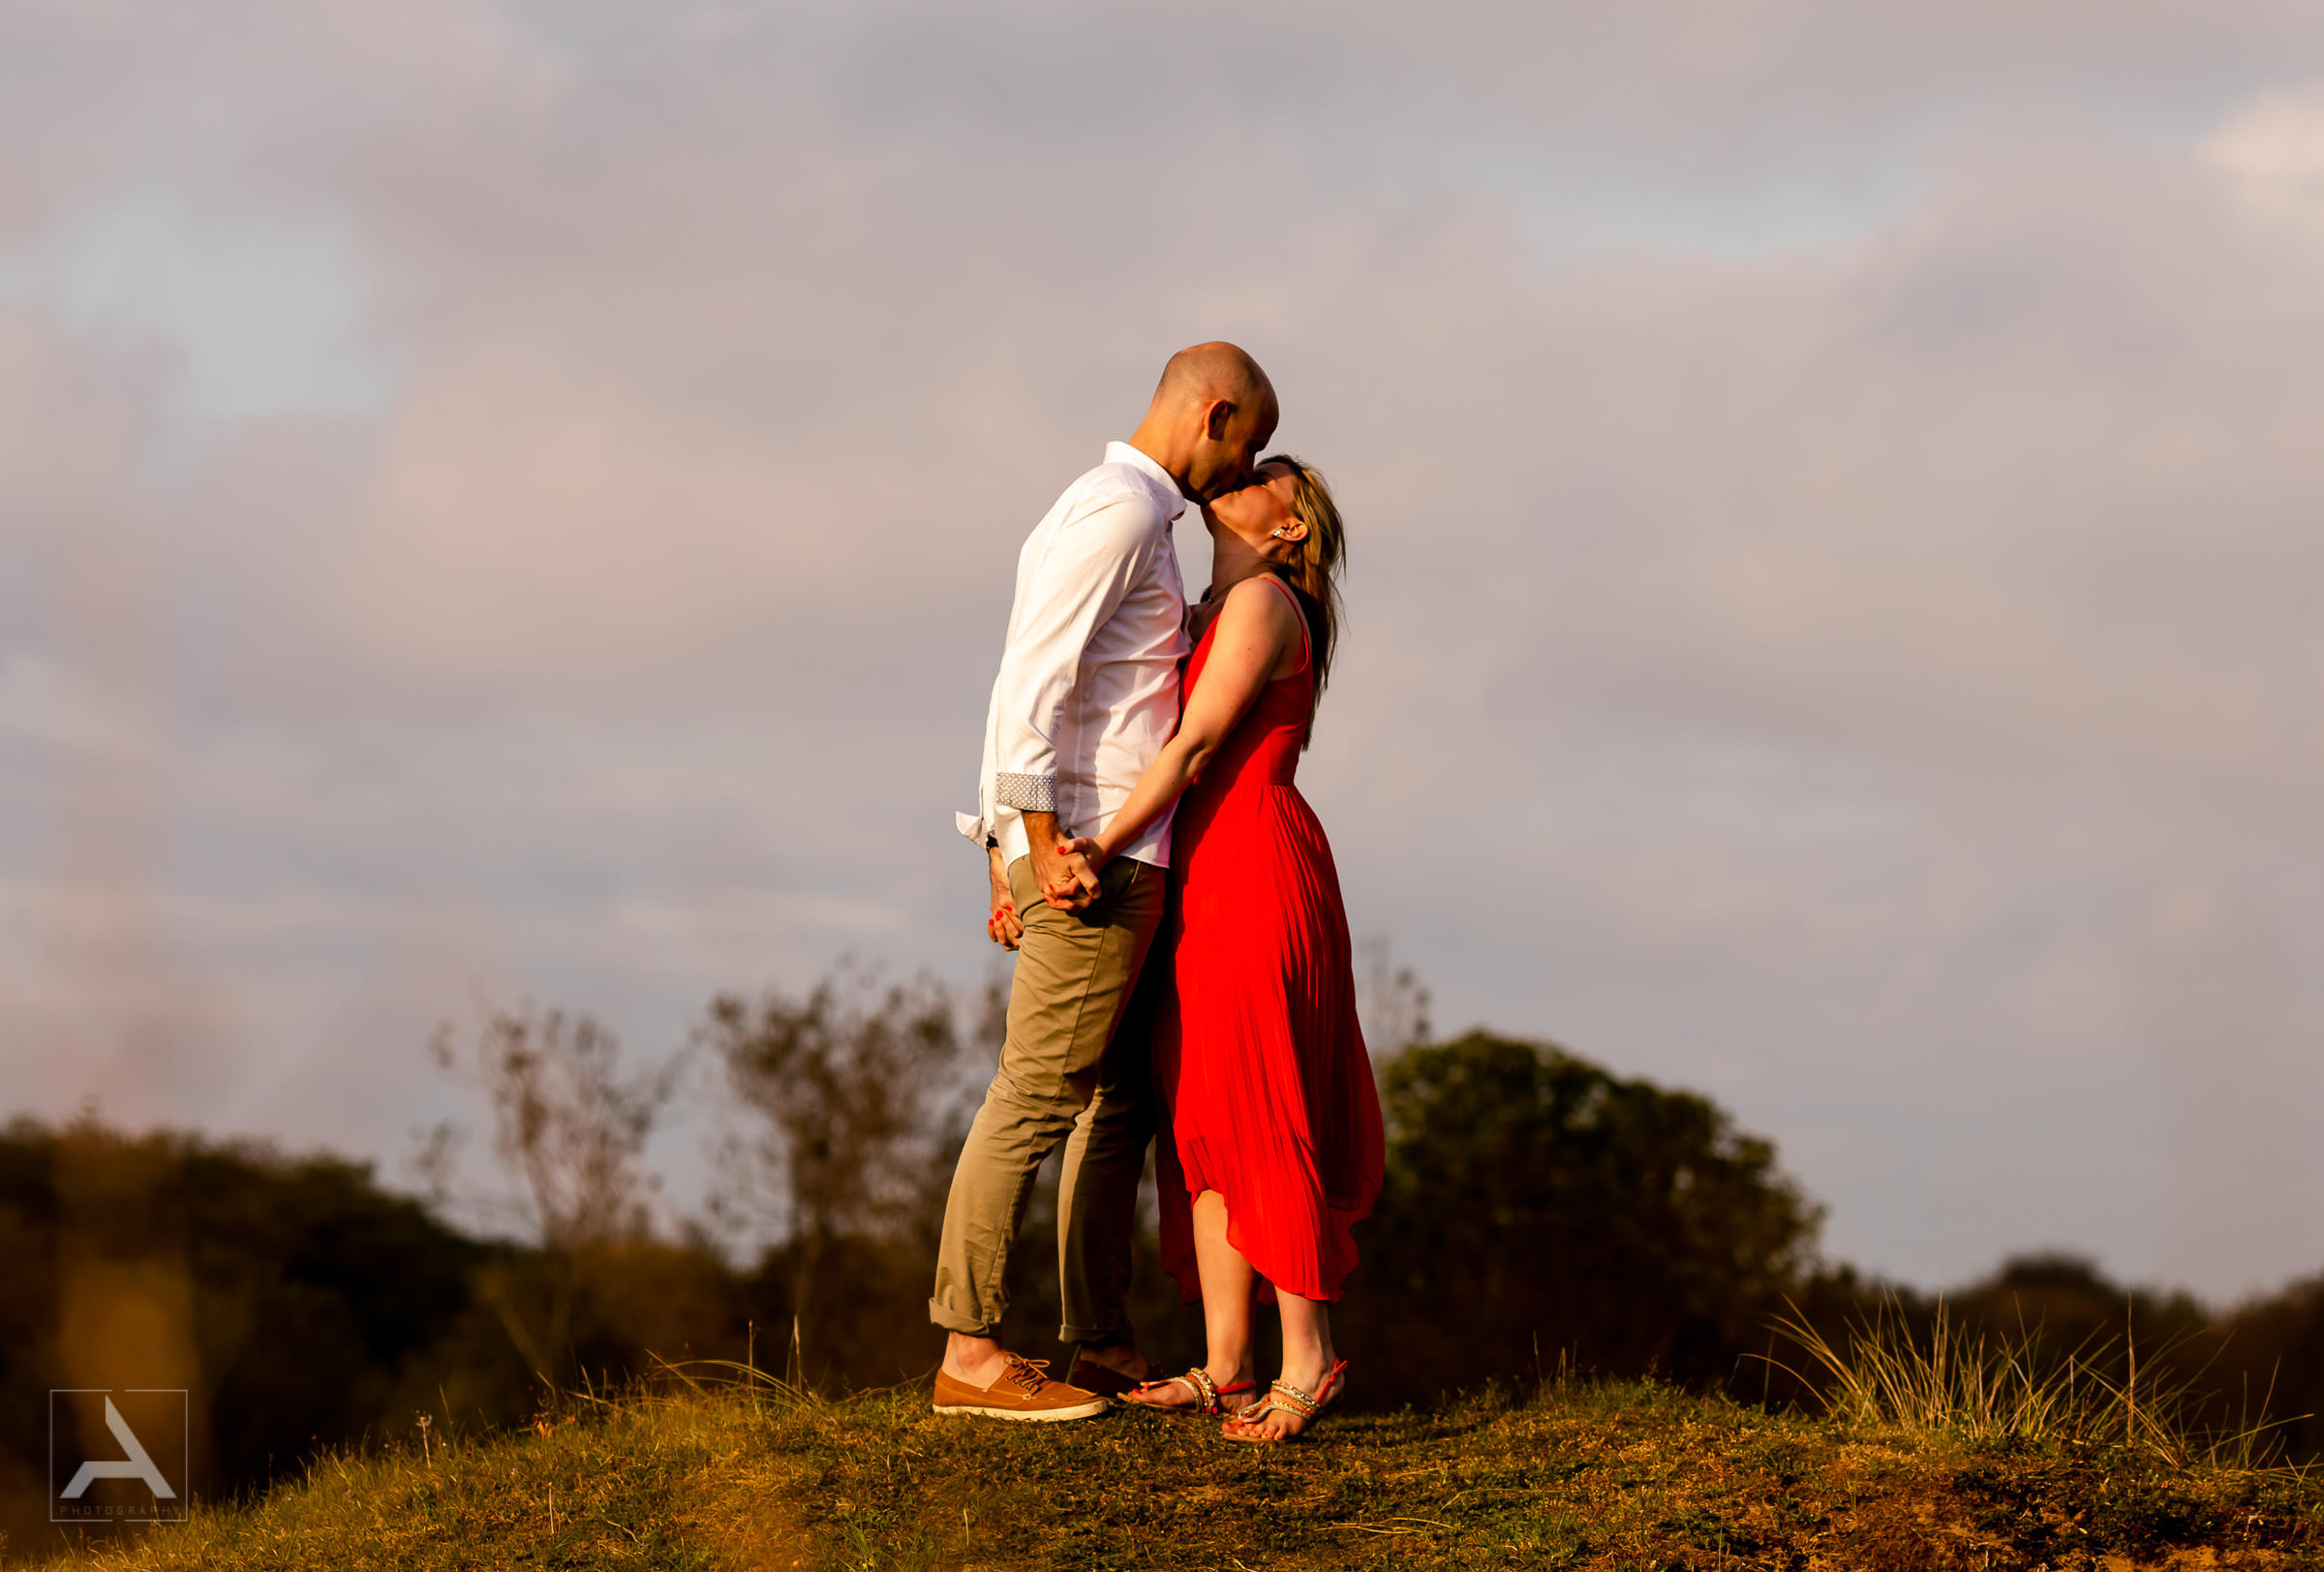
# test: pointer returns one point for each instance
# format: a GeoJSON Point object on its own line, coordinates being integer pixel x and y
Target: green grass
{"type": "Point", "coordinates": [1581, 1474]}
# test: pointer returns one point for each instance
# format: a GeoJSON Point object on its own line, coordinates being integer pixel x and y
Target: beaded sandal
{"type": "Point", "coordinates": [1208, 1396]}
{"type": "Point", "coordinates": [1284, 1398]}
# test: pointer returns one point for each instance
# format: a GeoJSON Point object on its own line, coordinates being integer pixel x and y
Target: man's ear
{"type": "Point", "coordinates": [1215, 417]}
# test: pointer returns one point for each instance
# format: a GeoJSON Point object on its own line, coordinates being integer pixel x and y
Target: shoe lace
{"type": "Point", "coordinates": [1032, 1374]}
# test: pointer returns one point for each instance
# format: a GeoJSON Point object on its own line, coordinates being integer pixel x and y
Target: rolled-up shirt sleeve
{"type": "Point", "coordinates": [1090, 565]}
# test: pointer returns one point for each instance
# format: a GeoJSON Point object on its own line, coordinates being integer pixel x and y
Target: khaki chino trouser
{"type": "Point", "coordinates": [1076, 1067]}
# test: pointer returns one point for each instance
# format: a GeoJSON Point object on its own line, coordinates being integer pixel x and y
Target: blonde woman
{"type": "Point", "coordinates": [1272, 1145]}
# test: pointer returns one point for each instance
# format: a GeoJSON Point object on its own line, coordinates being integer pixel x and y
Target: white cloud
{"type": "Point", "coordinates": [261, 314]}
{"type": "Point", "coordinates": [2272, 151]}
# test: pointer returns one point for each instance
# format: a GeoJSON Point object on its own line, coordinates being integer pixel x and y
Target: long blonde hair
{"type": "Point", "coordinates": [1313, 574]}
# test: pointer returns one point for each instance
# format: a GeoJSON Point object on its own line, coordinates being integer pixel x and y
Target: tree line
{"type": "Point", "coordinates": [1541, 1214]}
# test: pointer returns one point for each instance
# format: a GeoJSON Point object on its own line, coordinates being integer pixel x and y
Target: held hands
{"type": "Point", "coordinates": [1074, 884]}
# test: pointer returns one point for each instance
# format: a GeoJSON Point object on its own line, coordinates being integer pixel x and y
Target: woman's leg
{"type": "Point", "coordinates": [1308, 1359]}
{"type": "Point", "coordinates": [1227, 1282]}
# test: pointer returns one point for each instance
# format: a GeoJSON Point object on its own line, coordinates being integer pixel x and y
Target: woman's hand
{"type": "Point", "coordinates": [1002, 925]}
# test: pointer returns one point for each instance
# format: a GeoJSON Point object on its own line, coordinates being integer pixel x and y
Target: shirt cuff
{"type": "Point", "coordinates": [971, 826]}
{"type": "Point", "coordinates": [1026, 793]}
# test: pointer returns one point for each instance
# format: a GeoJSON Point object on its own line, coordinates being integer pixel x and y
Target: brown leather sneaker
{"type": "Point", "coordinates": [1023, 1391]}
{"type": "Point", "coordinates": [1089, 1376]}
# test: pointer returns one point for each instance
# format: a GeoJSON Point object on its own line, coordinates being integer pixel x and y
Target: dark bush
{"type": "Point", "coordinates": [290, 1295]}
{"type": "Point", "coordinates": [301, 1305]}
{"type": "Point", "coordinates": [1539, 1207]}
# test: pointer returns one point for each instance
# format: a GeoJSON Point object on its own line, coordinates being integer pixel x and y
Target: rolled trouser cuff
{"type": "Point", "coordinates": [1090, 1337]}
{"type": "Point", "coordinates": [952, 1320]}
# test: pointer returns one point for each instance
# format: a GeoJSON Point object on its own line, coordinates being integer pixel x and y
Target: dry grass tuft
{"type": "Point", "coordinates": [1965, 1384]}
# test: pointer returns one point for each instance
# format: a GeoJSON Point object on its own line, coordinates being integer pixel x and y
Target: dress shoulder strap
{"type": "Point", "coordinates": [1306, 644]}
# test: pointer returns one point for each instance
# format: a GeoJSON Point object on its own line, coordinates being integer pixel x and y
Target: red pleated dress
{"type": "Point", "coordinates": [1266, 1088]}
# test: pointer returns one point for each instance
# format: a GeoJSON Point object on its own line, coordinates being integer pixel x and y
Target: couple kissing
{"type": "Point", "coordinates": [1183, 965]}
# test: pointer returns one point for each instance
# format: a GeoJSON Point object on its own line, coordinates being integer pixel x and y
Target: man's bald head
{"type": "Point", "coordinates": [1214, 370]}
{"type": "Point", "coordinates": [1211, 412]}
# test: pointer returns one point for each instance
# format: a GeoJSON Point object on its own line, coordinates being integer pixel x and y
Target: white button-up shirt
{"type": "Point", "coordinates": [1088, 685]}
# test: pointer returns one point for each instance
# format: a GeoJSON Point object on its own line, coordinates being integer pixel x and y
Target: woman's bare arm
{"type": "Point", "coordinates": [1256, 628]}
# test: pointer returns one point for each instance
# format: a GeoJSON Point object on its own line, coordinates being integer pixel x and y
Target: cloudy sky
{"type": "Point", "coordinates": [520, 499]}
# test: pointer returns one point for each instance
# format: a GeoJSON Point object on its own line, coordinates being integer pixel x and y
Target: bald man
{"type": "Point", "coordinates": [1088, 694]}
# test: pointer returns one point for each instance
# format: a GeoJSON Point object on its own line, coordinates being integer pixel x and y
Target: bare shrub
{"type": "Point", "coordinates": [1391, 1002]}
{"type": "Point", "coordinates": [570, 1130]}
{"type": "Point", "coordinates": [847, 1086]}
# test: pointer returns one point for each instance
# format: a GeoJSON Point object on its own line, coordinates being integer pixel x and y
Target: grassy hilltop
{"type": "Point", "coordinates": [1613, 1475]}
{"type": "Point", "coordinates": [1537, 1205]}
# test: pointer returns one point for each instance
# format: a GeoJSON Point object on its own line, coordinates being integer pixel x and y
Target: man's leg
{"type": "Point", "coordinates": [1013, 1131]}
{"type": "Point", "coordinates": [1097, 1194]}
{"type": "Point", "coordinates": [1073, 975]}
